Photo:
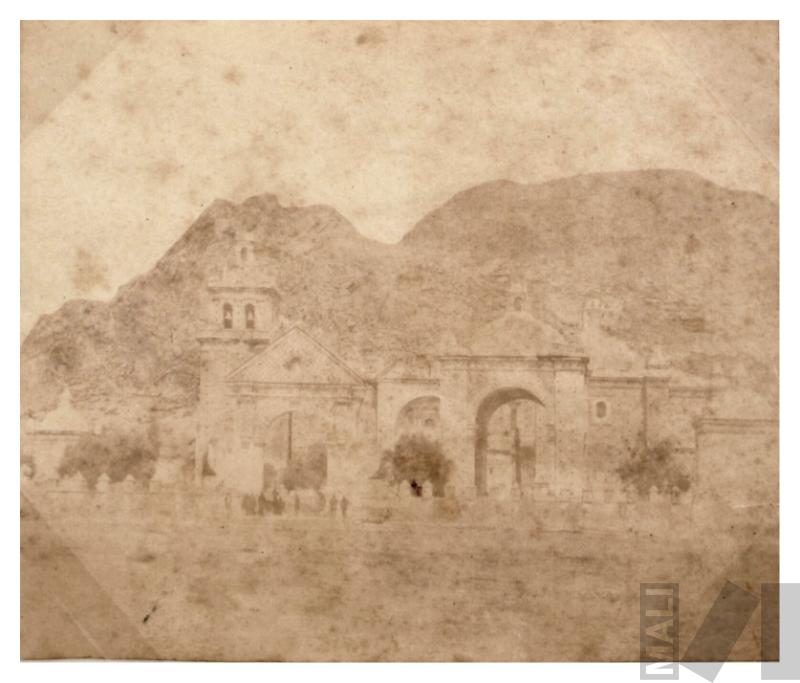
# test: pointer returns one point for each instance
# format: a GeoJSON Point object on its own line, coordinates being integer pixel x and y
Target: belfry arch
{"type": "Point", "coordinates": [490, 404]}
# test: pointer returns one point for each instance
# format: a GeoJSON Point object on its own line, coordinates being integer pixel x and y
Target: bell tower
{"type": "Point", "coordinates": [243, 302]}
{"type": "Point", "coordinates": [241, 317]}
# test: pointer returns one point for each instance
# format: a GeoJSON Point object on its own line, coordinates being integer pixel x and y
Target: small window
{"type": "Point", "coordinates": [600, 410]}
{"type": "Point", "coordinates": [244, 254]}
{"type": "Point", "coordinates": [227, 316]}
{"type": "Point", "coordinates": [250, 316]}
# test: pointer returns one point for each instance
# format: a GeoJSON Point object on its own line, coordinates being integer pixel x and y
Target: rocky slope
{"type": "Point", "coordinates": [689, 271]}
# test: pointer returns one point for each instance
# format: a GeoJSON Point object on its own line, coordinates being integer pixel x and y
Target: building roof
{"type": "Point", "coordinates": [295, 358]}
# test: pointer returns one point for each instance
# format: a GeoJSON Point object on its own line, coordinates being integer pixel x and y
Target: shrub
{"type": "Point", "coordinates": [416, 459]}
{"type": "Point", "coordinates": [653, 467]}
{"type": "Point", "coordinates": [112, 453]}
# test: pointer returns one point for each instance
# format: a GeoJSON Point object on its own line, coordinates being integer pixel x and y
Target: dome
{"type": "Point", "coordinates": [518, 333]}
{"type": "Point", "coordinates": [449, 345]}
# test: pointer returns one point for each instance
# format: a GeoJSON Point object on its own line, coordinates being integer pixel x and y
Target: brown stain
{"type": "Point", "coordinates": [89, 272]}
{"type": "Point", "coordinates": [163, 170]}
{"type": "Point", "coordinates": [370, 37]}
{"type": "Point", "coordinates": [137, 35]}
{"type": "Point", "coordinates": [84, 71]}
{"type": "Point", "coordinates": [233, 75]}
{"type": "Point", "coordinates": [128, 105]}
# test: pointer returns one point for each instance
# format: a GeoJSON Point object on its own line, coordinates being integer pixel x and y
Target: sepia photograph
{"type": "Point", "coordinates": [399, 341]}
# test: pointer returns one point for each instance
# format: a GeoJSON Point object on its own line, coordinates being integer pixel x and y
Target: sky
{"type": "Point", "coordinates": [129, 130]}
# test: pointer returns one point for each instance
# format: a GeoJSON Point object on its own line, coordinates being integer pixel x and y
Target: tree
{"type": "Point", "coordinates": [651, 467]}
{"type": "Point", "coordinates": [416, 459]}
{"type": "Point", "coordinates": [113, 453]}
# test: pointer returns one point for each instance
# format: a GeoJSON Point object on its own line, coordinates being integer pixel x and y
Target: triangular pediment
{"type": "Point", "coordinates": [295, 358]}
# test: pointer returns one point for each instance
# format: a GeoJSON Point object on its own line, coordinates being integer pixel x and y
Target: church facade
{"type": "Point", "coordinates": [522, 411]}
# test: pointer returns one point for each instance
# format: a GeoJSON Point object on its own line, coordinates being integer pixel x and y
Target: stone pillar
{"type": "Point", "coordinates": [385, 416]}
{"type": "Point", "coordinates": [656, 417]}
{"type": "Point", "coordinates": [571, 423]}
{"type": "Point", "coordinates": [458, 429]}
{"type": "Point", "coordinates": [202, 413]}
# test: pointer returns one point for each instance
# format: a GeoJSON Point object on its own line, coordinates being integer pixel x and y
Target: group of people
{"type": "Point", "coordinates": [274, 503]}
{"type": "Point", "coordinates": [335, 505]}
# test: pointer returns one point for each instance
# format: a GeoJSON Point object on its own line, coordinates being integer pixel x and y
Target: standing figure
{"type": "Point", "coordinates": [333, 506]}
{"type": "Point", "coordinates": [344, 505]}
{"type": "Point", "coordinates": [277, 502]}
{"type": "Point", "coordinates": [296, 504]}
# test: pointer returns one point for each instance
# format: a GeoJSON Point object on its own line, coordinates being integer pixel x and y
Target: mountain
{"type": "Point", "coordinates": [678, 267]}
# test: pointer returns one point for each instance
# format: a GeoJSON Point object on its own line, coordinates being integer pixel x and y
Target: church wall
{"type": "Point", "coordinates": [571, 431]}
{"type": "Point", "coordinates": [612, 432]}
{"type": "Point", "coordinates": [658, 413]}
{"type": "Point", "coordinates": [343, 421]}
{"type": "Point", "coordinates": [685, 407]}
{"type": "Point", "coordinates": [457, 426]}
{"type": "Point", "coordinates": [214, 414]}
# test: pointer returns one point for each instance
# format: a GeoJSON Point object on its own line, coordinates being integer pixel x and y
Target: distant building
{"type": "Point", "coordinates": [46, 440]}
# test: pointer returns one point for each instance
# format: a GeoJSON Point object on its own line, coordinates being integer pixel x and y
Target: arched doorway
{"type": "Point", "coordinates": [419, 416]}
{"type": "Point", "coordinates": [295, 451]}
{"type": "Point", "coordinates": [505, 440]}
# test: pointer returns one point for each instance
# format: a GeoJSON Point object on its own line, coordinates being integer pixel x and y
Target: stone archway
{"type": "Point", "coordinates": [486, 410]}
{"type": "Point", "coordinates": [298, 440]}
{"type": "Point", "coordinates": [420, 415]}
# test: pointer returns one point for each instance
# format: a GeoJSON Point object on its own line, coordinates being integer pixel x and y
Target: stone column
{"type": "Point", "coordinates": [458, 429]}
{"type": "Point", "coordinates": [571, 422]}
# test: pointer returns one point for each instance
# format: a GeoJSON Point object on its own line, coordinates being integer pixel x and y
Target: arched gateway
{"type": "Point", "coordinates": [507, 429]}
